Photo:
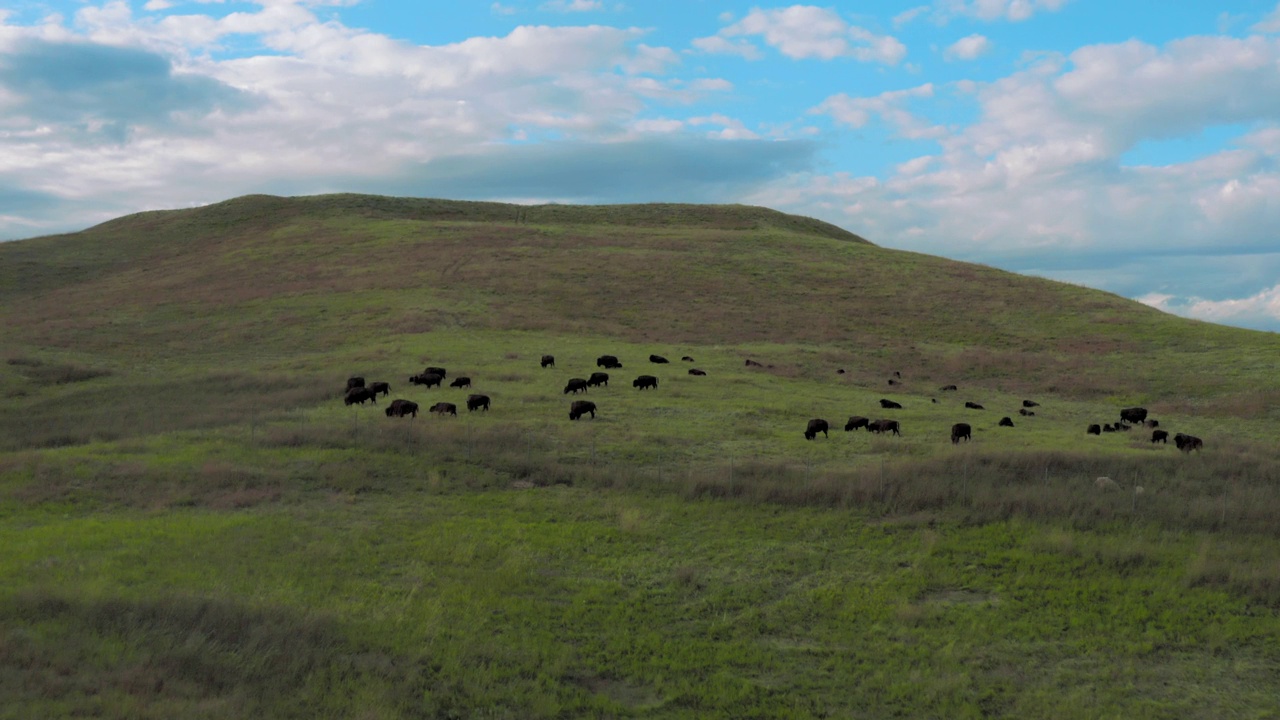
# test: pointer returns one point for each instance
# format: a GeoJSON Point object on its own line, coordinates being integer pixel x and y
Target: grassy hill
{"type": "Point", "coordinates": [199, 526]}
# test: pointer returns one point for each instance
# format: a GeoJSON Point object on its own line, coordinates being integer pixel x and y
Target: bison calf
{"type": "Point", "coordinates": [444, 408]}
{"type": "Point", "coordinates": [580, 408]}
{"type": "Point", "coordinates": [961, 431]}
{"type": "Point", "coordinates": [548, 361]}
{"type": "Point", "coordinates": [1160, 436]}
{"type": "Point", "coordinates": [816, 425]}
{"type": "Point", "coordinates": [462, 382]}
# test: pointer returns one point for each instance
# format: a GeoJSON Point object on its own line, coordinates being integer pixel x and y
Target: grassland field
{"type": "Point", "coordinates": [197, 526]}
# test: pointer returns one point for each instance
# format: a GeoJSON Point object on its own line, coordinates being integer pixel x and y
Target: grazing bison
{"type": "Point", "coordinates": [478, 402]}
{"type": "Point", "coordinates": [400, 408]}
{"type": "Point", "coordinates": [855, 422]}
{"type": "Point", "coordinates": [445, 408]}
{"type": "Point", "coordinates": [1025, 412]}
{"type": "Point", "coordinates": [973, 406]}
{"type": "Point", "coordinates": [462, 382]}
{"type": "Point", "coordinates": [658, 359]}
{"type": "Point", "coordinates": [645, 381]}
{"type": "Point", "coordinates": [597, 379]}
{"type": "Point", "coordinates": [884, 426]}
{"type": "Point", "coordinates": [580, 408]}
{"type": "Point", "coordinates": [358, 395]}
{"type": "Point", "coordinates": [1006, 422]}
{"type": "Point", "coordinates": [686, 358]}
{"type": "Point", "coordinates": [1160, 436]}
{"type": "Point", "coordinates": [608, 362]}
{"type": "Point", "coordinates": [1151, 423]}
{"type": "Point", "coordinates": [1133, 414]}
{"type": "Point", "coordinates": [753, 363]}
{"type": "Point", "coordinates": [961, 430]}
{"type": "Point", "coordinates": [1030, 403]}
{"type": "Point", "coordinates": [945, 388]}
{"type": "Point", "coordinates": [1108, 428]}
{"type": "Point", "coordinates": [429, 379]}
{"type": "Point", "coordinates": [1187, 443]}
{"type": "Point", "coordinates": [380, 388]}
{"type": "Point", "coordinates": [889, 405]}
{"type": "Point", "coordinates": [816, 425]}
{"type": "Point", "coordinates": [548, 361]}
{"type": "Point", "coordinates": [1094, 429]}
{"type": "Point", "coordinates": [355, 382]}
{"type": "Point", "coordinates": [574, 385]}
{"type": "Point", "coordinates": [436, 371]}
{"type": "Point", "coordinates": [696, 371]}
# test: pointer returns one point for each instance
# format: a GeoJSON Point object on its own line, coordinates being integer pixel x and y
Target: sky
{"type": "Point", "coordinates": [1129, 146]}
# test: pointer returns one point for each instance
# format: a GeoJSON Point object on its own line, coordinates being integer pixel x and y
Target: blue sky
{"type": "Point", "coordinates": [1129, 146]}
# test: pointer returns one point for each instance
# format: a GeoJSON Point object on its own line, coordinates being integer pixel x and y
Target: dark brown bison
{"type": "Point", "coordinates": [645, 381]}
{"type": "Point", "coordinates": [548, 361]}
{"type": "Point", "coordinates": [436, 371]}
{"type": "Point", "coordinates": [429, 379]}
{"type": "Point", "coordinates": [884, 426]}
{"type": "Point", "coordinates": [1133, 414]}
{"type": "Point", "coordinates": [753, 363]}
{"type": "Point", "coordinates": [686, 358]}
{"type": "Point", "coordinates": [355, 382]}
{"type": "Point", "coordinates": [946, 388]}
{"type": "Point", "coordinates": [478, 402]}
{"type": "Point", "coordinates": [597, 379]}
{"type": "Point", "coordinates": [658, 359]}
{"type": "Point", "coordinates": [1123, 427]}
{"type": "Point", "coordinates": [889, 405]}
{"type": "Point", "coordinates": [1108, 428]}
{"type": "Point", "coordinates": [973, 406]}
{"type": "Point", "coordinates": [357, 395]}
{"type": "Point", "coordinates": [380, 388]}
{"type": "Point", "coordinates": [855, 422]}
{"type": "Point", "coordinates": [608, 362]}
{"type": "Point", "coordinates": [1160, 436]}
{"type": "Point", "coordinates": [1151, 423]}
{"type": "Point", "coordinates": [462, 382]}
{"type": "Point", "coordinates": [840, 371]}
{"type": "Point", "coordinates": [1025, 412]}
{"type": "Point", "coordinates": [1094, 429]}
{"type": "Point", "coordinates": [444, 408]}
{"type": "Point", "coordinates": [400, 408]}
{"type": "Point", "coordinates": [1030, 403]}
{"type": "Point", "coordinates": [696, 371]}
{"type": "Point", "coordinates": [1006, 422]}
{"type": "Point", "coordinates": [892, 381]}
{"type": "Point", "coordinates": [961, 430]}
{"type": "Point", "coordinates": [575, 385]}
{"type": "Point", "coordinates": [1187, 443]}
{"type": "Point", "coordinates": [580, 408]}
{"type": "Point", "coordinates": [816, 425]}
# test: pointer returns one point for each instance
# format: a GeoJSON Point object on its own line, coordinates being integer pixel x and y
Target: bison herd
{"type": "Point", "coordinates": [358, 392]}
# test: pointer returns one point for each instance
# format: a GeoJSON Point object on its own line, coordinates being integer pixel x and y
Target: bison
{"type": "Point", "coordinates": [380, 388]}
{"type": "Point", "coordinates": [855, 422]}
{"type": "Point", "coordinates": [884, 426]}
{"type": "Point", "coordinates": [574, 385]}
{"type": "Point", "coordinates": [436, 371]}
{"type": "Point", "coordinates": [1025, 412]}
{"type": "Point", "coordinates": [696, 371]}
{"type": "Point", "coordinates": [973, 406]}
{"type": "Point", "coordinates": [1151, 423]}
{"type": "Point", "coordinates": [1187, 443]}
{"type": "Point", "coordinates": [462, 382]}
{"type": "Point", "coordinates": [1030, 404]}
{"type": "Point", "coordinates": [946, 388]}
{"type": "Point", "coordinates": [892, 381]}
{"type": "Point", "coordinates": [355, 382]}
{"type": "Point", "coordinates": [1133, 414]}
{"type": "Point", "coordinates": [444, 408]}
{"type": "Point", "coordinates": [597, 379]}
{"type": "Point", "coordinates": [548, 361]}
{"type": "Point", "coordinates": [400, 408]}
{"type": "Point", "coordinates": [753, 363]}
{"type": "Point", "coordinates": [658, 359]}
{"type": "Point", "coordinates": [1006, 422]}
{"type": "Point", "coordinates": [1094, 429]}
{"type": "Point", "coordinates": [608, 362]}
{"type": "Point", "coordinates": [580, 408]}
{"type": "Point", "coordinates": [645, 381]}
{"type": "Point", "coordinates": [686, 358]}
{"type": "Point", "coordinates": [889, 405]}
{"type": "Point", "coordinates": [1108, 428]}
{"type": "Point", "coordinates": [1160, 436]}
{"type": "Point", "coordinates": [429, 379]}
{"type": "Point", "coordinates": [358, 395]}
{"type": "Point", "coordinates": [961, 430]}
{"type": "Point", "coordinates": [816, 425]}
{"type": "Point", "coordinates": [478, 402]}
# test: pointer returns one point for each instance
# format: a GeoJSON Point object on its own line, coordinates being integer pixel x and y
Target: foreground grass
{"type": "Point", "coordinates": [565, 602]}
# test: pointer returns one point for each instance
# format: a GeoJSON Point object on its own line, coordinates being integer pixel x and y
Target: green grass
{"type": "Point", "coordinates": [196, 526]}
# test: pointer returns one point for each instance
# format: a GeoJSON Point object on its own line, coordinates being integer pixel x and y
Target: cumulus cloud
{"type": "Point", "coordinates": [968, 48]}
{"type": "Point", "coordinates": [889, 106]}
{"type": "Point", "coordinates": [1014, 10]}
{"type": "Point", "coordinates": [805, 31]}
{"type": "Point", "coordinates": [1260, 310]}
{"type": "Point", "coordinates": [572, 5]}
{"type": "Point", "coordinates": [1270, 23]}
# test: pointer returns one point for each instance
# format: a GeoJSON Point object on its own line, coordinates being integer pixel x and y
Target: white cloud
{"type": "Point", "coordinates": [1013, 10]}
{"type": "Point", "coordinates": [906, 16]}
{"type": "Point", "coordinates": [1270, 23]}
{"type": "Point", "coordinates": [499, 9]}
{"type": "Point", "coordinates": [805, 31]}
{"type": "Point", "coordinates": [1259, 310]}
{"type": "Point", "coordinates": [968, 48]}
{"type": "Point", "coordinates": [731, 128]}
{"type": "Point", "coordinates": [857, 112]}
{"type": "Point", "coordinates": [572, 5]}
